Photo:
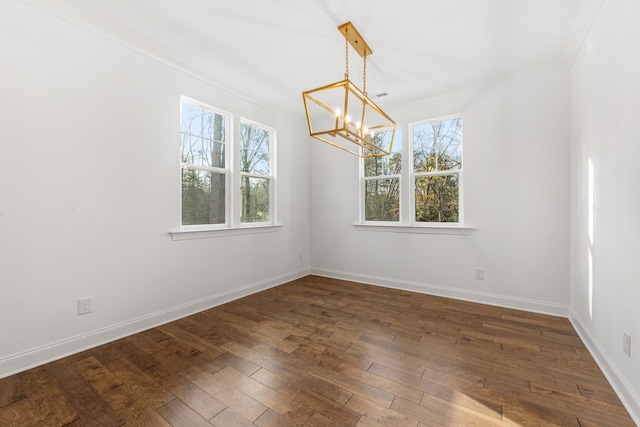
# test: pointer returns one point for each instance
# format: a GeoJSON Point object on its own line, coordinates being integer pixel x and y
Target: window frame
{"type": "Point", "coordinates": [226, 171]}
{"type": "Point", "coordinates": [271, 177]}
{"type": "Point", "coordinates": [365, 179]}
{"type": "Point", "coordinates": [413, 175]}
{"type": "Point", "coordinates": [407, 183]}
{"type": "Point", "coordinates": [232, 191]}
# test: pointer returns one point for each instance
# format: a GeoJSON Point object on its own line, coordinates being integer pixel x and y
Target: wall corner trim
{"type": "Point", "coordinates": [623, 389]}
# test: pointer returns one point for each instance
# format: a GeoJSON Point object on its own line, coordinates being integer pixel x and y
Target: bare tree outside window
{"type": "Point", "coordinates": [203, 143]}
{"type": "Point", "coordinates": [255, 172]}
{"type": "Point", "coordinates": [382, 181]}
{"type": "Point", "coordinates": [437, 165]}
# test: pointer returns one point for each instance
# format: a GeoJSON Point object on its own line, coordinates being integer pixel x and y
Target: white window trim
{"type": "Point", "coordinates": [419, 228]}
{"type": "Point", "coordinates": [206, 233]}
{"type": "Point", "coordinates": [363, 186]}
{"type": "Point", "coordinates": [227, 171]}
{"type": "Point", "coordinates": [232, 225]}
{"type": "Point", "coordinates": [407, 222]}
{"type": "Point", "coordinates": [413, 175]}
{"type": "Point", "coordinates": [273, 211]}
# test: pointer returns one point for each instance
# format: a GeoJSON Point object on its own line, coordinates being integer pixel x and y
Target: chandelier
{"type": "Point", "coordinates": [344, 116]}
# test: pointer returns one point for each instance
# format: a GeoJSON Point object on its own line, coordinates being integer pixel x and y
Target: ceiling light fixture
{"type": "Point", "coordinates": [344, 112]}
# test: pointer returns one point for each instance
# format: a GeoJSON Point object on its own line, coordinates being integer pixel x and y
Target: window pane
{"type": "Point", "coordinates": [437, 198]}
{"type": "Point", "coordinates": [437, 145]}
{"type": "Point", "coordinates": [386, 165]}
{"type": "Point", "coordinates": [254, 149]}
{"type": "Point", "coordinates": [254, 199]}
{"type": "Point", "coordinates": [203, 136]}
{"type": "Point", "coordinates": [202, 197]}
{"type": "Point", "coordinates": [382, 200]}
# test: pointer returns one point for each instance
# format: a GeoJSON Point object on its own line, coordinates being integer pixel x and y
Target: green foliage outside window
{"type": "Point", "coordinates": [437, 162]}
{"type": "Point", "coordinates": [203, 145]}
{"type": "Point", "coordinates": [382, 182]}
{"type": "Point", "coordinates": [255, 171]}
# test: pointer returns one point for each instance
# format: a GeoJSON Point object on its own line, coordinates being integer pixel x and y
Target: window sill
{"type": "Point", "coordinates": [463, 230]}
{"type": "Point", "coordinates": [207, 233]}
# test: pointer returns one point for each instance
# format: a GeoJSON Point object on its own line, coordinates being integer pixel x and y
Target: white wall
{"type": "Point", "coordinates": [516, 187]}
{"type": "Point", "coordinates": [605, 130]}
{"type": "Point", "coordinates": [89, 188]}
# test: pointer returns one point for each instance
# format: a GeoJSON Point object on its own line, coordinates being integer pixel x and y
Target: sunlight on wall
{"type": "Point", "coordinates": [590, 267]}
{"type": "Point", "coordinates": [591, 207]}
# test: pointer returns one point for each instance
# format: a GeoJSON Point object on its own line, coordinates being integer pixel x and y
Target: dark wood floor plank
{"type": "Point", "coordinates": [379, 414]}
{"type": "Point", "coordinates": [470, 397]}
{"type": "Point", "coordinates": [176, 413]}
{"type": "Point", "coordinates": [238, 401]}
{"type": "Point", "coordinates": [281, 368]}
{"type": "Point", "coordinates": [24, 412]}
{"type": "Point", "coordinates": [48, 398]}
{"type": "Point", "coordinates": [265, 395]}
{"type": "Point", "coordinates": [131, 407]}
{"type": "Point", "coordinates": [306, 396]}
{"type": "Point", "coordinates": [97, 374]}
{"type": "Point", "coordinates": [422, 414]}
{"type": "Point", "coordinates": [152, 393]}
{"type": "Point", "coordinates": [197, 399]}
{"type": "Point", "coordinates": [319, 420]}
{"type": "Point", "coordinates": [271, 418]}
{"type": "Point", "coordinates": [11, 390]}
{"type": "Point", "coordinates": [329, 376]}
{"type": "Point", "coordinates": [84, 399]}
{"type": "Point", "coordinates": [228, 418]}
{"type": "Point", "coordinates": [398, 389]}
{"type": "Point", "coordinates": [319, 351]}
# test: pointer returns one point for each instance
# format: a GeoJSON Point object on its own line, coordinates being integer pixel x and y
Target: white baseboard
{"type": "Point", "coordinates": [16, 363]}
{"type": "Point", "coordinates": [443, 291]}
{"type": "Point", "coordinates": [623, 389]}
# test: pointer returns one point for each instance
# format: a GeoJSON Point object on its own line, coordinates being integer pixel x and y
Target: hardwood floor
{"type": "Point", "coordinates": [325, 352]}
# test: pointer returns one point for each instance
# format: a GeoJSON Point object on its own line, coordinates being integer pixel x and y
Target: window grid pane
{"type": "Point", "coordinates": [437, 146]}
{"type": "Point", "coordinates": [254, 149]}
{"type": "Point", "coordinates": [203, 152]}
{"type": "Point", "coordinates": [382, 199]}
{"type": "Point", "coordinates": [203, 136]}
{"type": "Point", "coordinates": [437, 198]}
{"type": "Point", "coordinates": [385, 165]}
{"type": "Point", "coordinates": [203, 200]}
{"type": "Point", "coordinates": [254, 199]}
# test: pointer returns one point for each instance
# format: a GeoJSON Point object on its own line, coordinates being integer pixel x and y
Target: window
{"type": "Point", "coordinates": [432, 174]}
{"type": "Point", "coordinates": [204, 156]}
{"type": "Point", "coordinates": [227, 182]}
{"type": "Point", "coordinates": [437, 170]}
{"type": "Point", "coordinates": [382, 181]}
{"type": "Point", "coordinates": [256, 172]}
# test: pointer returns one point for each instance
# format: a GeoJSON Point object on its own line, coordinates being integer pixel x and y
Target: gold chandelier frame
{"type": "Point", "coordinates": [347, 97]}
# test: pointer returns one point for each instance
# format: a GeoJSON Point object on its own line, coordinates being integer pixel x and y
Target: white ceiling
{"type": "Point", "coordinates": [270, 51]}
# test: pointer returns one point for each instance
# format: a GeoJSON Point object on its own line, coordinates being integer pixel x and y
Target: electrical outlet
{"type": "Point", "coordinates": [84, 305]}
{"type": "Point", "coordinates": [300, 256]}
{"type": "Point", "coordinates": [479, 273]}
{"type": "Point", "coordinates": [626, 343]}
